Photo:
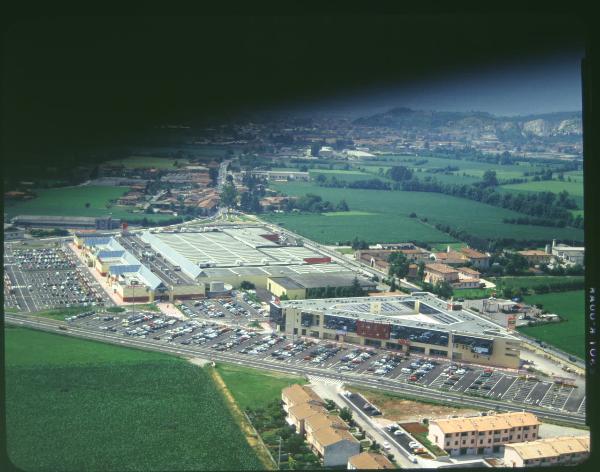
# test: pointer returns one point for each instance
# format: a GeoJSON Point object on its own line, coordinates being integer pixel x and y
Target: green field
{"type": "Point", "coordinates": [147, 162]}
{"type": "Point", "coordinates": [567, 335]}
{"type": "Point", "coordinates": [79, 405]}
{"type": "Point", "coordinates": [390, 220]}
{"type": "Point", "coordinates": [71, 201]}
{"type": "Point", "coordinates": [534, 281]}
{"type": "Point", "coordinates": [253, 388]}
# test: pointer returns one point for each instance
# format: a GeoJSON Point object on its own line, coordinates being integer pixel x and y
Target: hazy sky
{"type": "Point", "coordinates": [539, 85]}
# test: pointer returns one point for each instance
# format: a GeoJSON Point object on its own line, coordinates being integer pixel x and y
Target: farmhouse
{"type": "Point", "coordinates": [438, 273]}
{"type": "Point", "coordinates": [570, 254]}
{"type": "Point", "coordinates": [535, 256]}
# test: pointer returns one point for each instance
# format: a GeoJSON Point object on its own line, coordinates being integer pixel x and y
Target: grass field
{"type": "Point", "coordinates": [253, 388]}
{"type": "Point", "coordinates": [567, 335]}
{"type": "Point", "coordinates": [79, 405]}
{"type": "Point", "coordinates": [391, 221]}
{"type": "Point", "coordinates": [146, 162]}
{"type": "Point", "coordinates": [71, 201]}
{"type": "Point", "coordinates": [534, 281]}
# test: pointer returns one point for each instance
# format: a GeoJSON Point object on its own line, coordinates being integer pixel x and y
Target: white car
{"type": "Point", "coordinates": [414, 444]}
{"type": "Point", "coordinates": [398, 433]}
{"type": "Point", "coordinates": [386, 445]}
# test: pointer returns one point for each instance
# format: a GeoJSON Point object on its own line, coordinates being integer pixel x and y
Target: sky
{"type": "Point", "coordinates": [547, 83]}
{"type": "Point", "coordinates": [70, 84]}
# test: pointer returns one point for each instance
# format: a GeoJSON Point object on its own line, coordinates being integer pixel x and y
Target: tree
{"type": "Point", "coordinates": [443, 289]}
{"type": "Point", "coordinates": [393, 285]}
{"type": "Point", "coordinates": [228, 195]}
{"type": "Point", "coordinates": [398, 265]}
{"type": "Point", "coordinates": [489, 179]}
{"type": "Point", "coordinates": [399, 173]}
{"type": "Point", "coordinates": [346, 414]}
{"type": "Point", "coordinates": [314, 149]}
{"type": "Point", "coordinates": [329, 404]}
{"type": "Point", "coordinates": [421, 270]}
{"type": "Point", "coordinates": [342, 206]}
{"type": "Point", "coordinates": [292, 462]}
{"type": "Point", "coordinates": [87, 205]}
{"type": "Point", "coordinates": [321, 179]}
{"type": "Point", "coordinates": [245, 285]}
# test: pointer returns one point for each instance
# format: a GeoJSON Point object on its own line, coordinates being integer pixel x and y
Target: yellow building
{"type": "Point", "coordinates": [482, 434]}
{"type": "Point", "coordinates": [551, 451]}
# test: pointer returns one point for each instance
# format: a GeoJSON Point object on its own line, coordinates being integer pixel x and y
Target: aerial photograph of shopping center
{"type": "Point", "coordinates": [394, 281]}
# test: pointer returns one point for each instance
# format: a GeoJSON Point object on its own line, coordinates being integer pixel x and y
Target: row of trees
{"type": "Point", "coordinates": [355, 290]}
{"type": "Point", "coordinates": [545, 206]}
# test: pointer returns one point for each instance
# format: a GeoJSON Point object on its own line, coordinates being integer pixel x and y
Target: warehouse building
{"type": "Point", "coordinates": [296, 287]}
{"type": "Point", "coordinates": [418, 323]}
{"type": "Point", "coordinates": [482, 434]}
{"type": "Point", "coordinates": [558, 451]}
{"type": "Point", "coordinates": [130, 279]}
{"type": "Point", "coordinates": [71, 222]}
{"type": "Point", "coordinates": [232, 255]}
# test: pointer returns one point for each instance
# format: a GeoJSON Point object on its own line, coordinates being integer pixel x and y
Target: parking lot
{"type": "Point", "coordinates": [43, 278]}
{"type": "Point", "coordinates": [206, 332]}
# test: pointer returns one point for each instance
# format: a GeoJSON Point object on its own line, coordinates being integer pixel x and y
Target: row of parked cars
{"type": "Point", "coordinates": [322, 353]}
{"type": "Point", "coordinates": [386, 364]}
{"type": "Point", "coordinates": [263, 344]}
{"type": "Point", "coordinates": [291, 349]}
{"type": "Point", "coordinates": [355, 358]}
{"type": "Point", "coordinates": [42, 259]}
{"type": "Point", "coordinates": [78, 316]}
{"type": "Point", "coordinates": [238, 337]}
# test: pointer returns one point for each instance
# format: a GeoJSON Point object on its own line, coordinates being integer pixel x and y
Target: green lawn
{"type": "Point", "coordinates": [60, 313]}
{"type": "Point", "coordinates": [253, 388]}
{"type": "Point", "coordinates": [146, 162]}
{"type": "Point", "coordinates": [79, 405]}
{"type": "Point", "coordinates": [567, 335]}
{"type": "Point", "coordinates": [71, 201]}
{"type": "Point", "coordinates": [390, 221]}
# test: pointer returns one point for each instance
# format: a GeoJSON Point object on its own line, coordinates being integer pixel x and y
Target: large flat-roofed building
{"type": "Point", "coordinates": [74, 222]}
{"type": "Point", "coordinates": [233, 255]}
{"type": "Point", "coordinates": [556, 451]}
{"type": "Point", "coordinates": [536, 256]}
{"type": "Point", "coordinates": [129, 278]}
{"type": "Point", "coordinates": [571, 254]}
{"type": "Point", "coordinates": [416, 323]}
{"type": "Point", "coordinates": [482, 434]}
{"type": "Point", "coordinates": [301, 286]}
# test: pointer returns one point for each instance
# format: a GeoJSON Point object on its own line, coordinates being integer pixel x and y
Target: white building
{"type": "Point", "coordinates": [571, 254]}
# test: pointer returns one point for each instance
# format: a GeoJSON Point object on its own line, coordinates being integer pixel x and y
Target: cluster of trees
{"type": "Point", "coordinates": [229, 195]}
{"type": "Point", "coordinates": [358, 243]}
{"type": "Point", "coordinates": [559, 270]}
{"type": "Point", "coordinates": [44, 233]}
{"type": "Point", "coordinates": [355, 290]}
{"type": "Point", "coordinates": [528, 220]}
{"type": "Point", "coordinates": [315, 204]}
{"type": "Point", "coordinates": [518, 292]}
{"type": "Point", "coordinates": [442, 289]}
{"type": "Point", "coordinates": [398, 265]}
{"type": "Point", "coordinates": [399, 173]}
{"type": "Point", "coordinates": [508, 263]}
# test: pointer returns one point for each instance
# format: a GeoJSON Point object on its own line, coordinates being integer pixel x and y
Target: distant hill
{"type": "Point", "coordinates": [511, 128]}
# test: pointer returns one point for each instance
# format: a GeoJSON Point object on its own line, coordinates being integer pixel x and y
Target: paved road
{"type": "Point", "coordinates": [416, 391]}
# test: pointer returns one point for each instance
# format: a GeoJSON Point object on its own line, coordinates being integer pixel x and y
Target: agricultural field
{"type": "Point", "coordinates": [567, 335]}
{"type": "Point", "coordinates": [389, 220]}
{"type": "Point", "coordinates": [71, 201]}
{"type": "Point", "coordinates": [345, 175]}
{"type": "Point", "coordinates": [147, 162]}
{"type": "Point", "coordinates": [253, 388]}
{"type": "Point", "coordinates": [535, 281]}
{"type": "Point", "coordinates": [80, 405]}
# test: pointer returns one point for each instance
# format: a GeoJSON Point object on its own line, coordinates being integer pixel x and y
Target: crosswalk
{"type": "Point", "coordinates": [325, 380]}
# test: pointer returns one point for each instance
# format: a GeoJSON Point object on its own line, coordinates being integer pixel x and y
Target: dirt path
{"type": "Point", "coordinates": [251, 434]}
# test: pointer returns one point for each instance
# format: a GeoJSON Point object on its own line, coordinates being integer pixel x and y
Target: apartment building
{"type": "Point", "coordinates": [552, 451]}
{"type": "Point", "coordinates": [483, 434]}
